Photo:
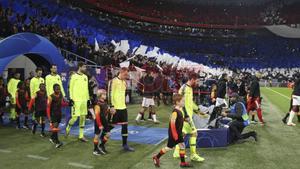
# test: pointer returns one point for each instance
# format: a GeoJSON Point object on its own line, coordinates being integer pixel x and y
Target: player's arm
{"type": "Point", "coordinates": [111, 93]}
{"type": "Point", "coordinates": [48, 86]}
{"type": "Point", "coordinates": [9, 87]}
{"type": "Point", "coordinates": [49, 106]}
{"type": "Point", "coordinates": [98, 117]}
{"type": "Point", "coordinates": [31, 103]}
{"type": "Point", "coordinates": [61, 87]}
{"type": "Point", "coordinates": [71, 87]}
{"type": "Point", "coordinates": [86, 87]}
{"type": "Point", "coordinates": [17, 100]}
{"type": "Point", "coordinates": [173, 126]}
{"type": "Point", "coordinates": [31, 88]}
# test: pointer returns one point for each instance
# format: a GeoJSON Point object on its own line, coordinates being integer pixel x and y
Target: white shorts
{"type": "Point", "coordinates": [220, 101]}
{"type": "Point", "coordinates": [148, 102]}
{"type": "Point", "coordinates": [296, 100]}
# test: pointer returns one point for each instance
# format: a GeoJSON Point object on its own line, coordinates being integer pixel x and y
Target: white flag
{"type": "Point", "coordinates": [96, 46]}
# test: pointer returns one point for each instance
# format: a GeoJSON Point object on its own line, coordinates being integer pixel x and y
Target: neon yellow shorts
{"type": "Point", "coordinates": [79, 108]}
{"type": "Point", "coordinates": [188, 129]}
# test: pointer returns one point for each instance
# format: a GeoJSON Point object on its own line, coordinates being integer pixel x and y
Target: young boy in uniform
{"type": "Point", "coordinates": [40, 108]}
{"type": "Point", "coordinates": [102, 126]}
{"type": "Point", "coordinates": [21, 105]}
{"type": "Point", "coordinates": [175, 133]}
{"type": "Point", "coordinates": [55, 103]}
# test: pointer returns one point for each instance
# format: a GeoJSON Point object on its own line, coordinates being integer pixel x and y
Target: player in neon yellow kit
{"type": "Point", "coordinates": [35, 84]}
{"type": "Point", "coordinates": [189, 108]}
{"type": "Point", "coordinates": [52, 79]}
{"type": "Point", "coordinates": [36, 81]}
{"type": "Point", "coordinates": [12, 88]}
{"type": "Point", "coordinates": [79, 94]}
{"type": "Point", "coordinates": [116, 99]}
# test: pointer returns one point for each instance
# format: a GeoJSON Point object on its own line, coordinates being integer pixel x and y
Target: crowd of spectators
{"type": "Point", "coordinates": [215, 52]}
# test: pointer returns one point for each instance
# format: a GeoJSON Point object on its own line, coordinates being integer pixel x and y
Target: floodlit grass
{"type": "Point", "coordinates": [278, 146]}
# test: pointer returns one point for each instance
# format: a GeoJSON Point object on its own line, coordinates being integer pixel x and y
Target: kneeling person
{"type": "Point", "coordinates": [239, 115]}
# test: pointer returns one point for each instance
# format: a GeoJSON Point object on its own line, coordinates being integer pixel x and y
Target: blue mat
{"type": "Point", "coordinates": [137, 134]}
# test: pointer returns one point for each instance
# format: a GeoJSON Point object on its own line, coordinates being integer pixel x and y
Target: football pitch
{"type": "Point", "coordinates": [278, 146]}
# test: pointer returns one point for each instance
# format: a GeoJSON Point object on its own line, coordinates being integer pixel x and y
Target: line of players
{"type": "Point", "coordinates": [45, 99]}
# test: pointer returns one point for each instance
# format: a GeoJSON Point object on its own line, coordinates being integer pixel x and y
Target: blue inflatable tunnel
{"type": "Point", "coordinates": [29, 43]}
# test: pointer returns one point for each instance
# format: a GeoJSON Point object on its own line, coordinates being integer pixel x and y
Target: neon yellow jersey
{"type": "Point", "coordinates": [78, 88]}
{"type": "Point", "coordinates": [116, 93]}
{"type": "Point", "coordinates": [35, 85]}
{"type": "Point", "coordinates": [51, 80]}
{"type": "Point", "coordinates": [12, 87]}
{"type": "Point", "coordinates": [190, 106]}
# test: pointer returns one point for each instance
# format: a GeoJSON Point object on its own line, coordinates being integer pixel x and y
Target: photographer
{"type": "Point", "coordinates": [240, 120]}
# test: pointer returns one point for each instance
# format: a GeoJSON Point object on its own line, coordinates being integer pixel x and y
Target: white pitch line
{"type": "Point", "coordinates": [161, 141]}
{"type": "Point", "coordinates": [37, 157]}
{"type": "Point", "coordinates": [279, 94]}
{"type": "Point", "coordinates": [78, 165]}
{"type": "Point", "coordinates": [5, 151]}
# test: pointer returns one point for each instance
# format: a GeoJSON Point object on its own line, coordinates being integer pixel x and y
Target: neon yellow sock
{"type": "Point", "coordinates": [193, 145]}
{"type": "Point", "coordinates": [70, 124]}
{"type": "Point", "coordinates": [81, 126]}
{"type": "Point", "coordinates": [12, 113]}
{"type": "Point", "coordinates": [176, 151]}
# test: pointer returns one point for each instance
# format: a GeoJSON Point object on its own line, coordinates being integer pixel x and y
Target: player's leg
{"type": "Point", "coordinates": [183, 163]}
{"type": "Point", "coordinates": [104, 138]}
{"type": "Point", "coordinates": [13, 112]}
{"type": "Point", "coordinates": [42, 123]}
{"type": "Point", "coordinates": [193, 147]}
{"type": "Point", "coordinates": [81, 128]}
{"type": "Point", "coordinates": [140, 115]}
{"type": "Point", "coordinates": [25, 112]}
{"type": "Point", "coordinates": [284, 120]}
{"type": "Point", "coordinates": [123, 119]}
{"type": "Point", "coordinates": [35, 122]}
{"type": "Point", "coordinates": [259, 111]}
{"type": "Point", "coordinates": [295, 109]}
{"type": "Point", "coordinates": [75, 113]}
{"type": "Point", "coordinates": [153, 113]}
{"type": "Point", "coordinates": [17, 117]}
{"type": "Point", "coordinates": [156, 157]}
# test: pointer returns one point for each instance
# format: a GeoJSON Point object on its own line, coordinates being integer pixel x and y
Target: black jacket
{"type": "Point", "coordinates": [254, 88]}
{"type": "Point", "coordinates": [297, 88]}
{"type": "Point", "coordinates": [221, 88]}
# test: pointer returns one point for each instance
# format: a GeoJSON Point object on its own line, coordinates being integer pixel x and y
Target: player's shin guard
{"type": "Point", "coordinates": [290, 121]}
{"type": "Point", "coordinates": [176, 152]}
{"type": "Point", "coordinates": [81, 126]}
{"type": "Point", "coordinates": [161, 153]}
{"type": "Point", "coordinates": [259, 115]}
{"type": "Point", "coordinates": [96, 142]}
{"type": "Point", "coordinates": [193, 145]}
{"type": "Point", "coordinates": [70, 124]}
{"type": "Point", "coordinates": [12, 113]}
{"type": "Point", "coordinates": [124, 134]}
{"type": "Point", "coordinates": [182, 155]}
{"type": "Point", "coordinates": [139, 116]}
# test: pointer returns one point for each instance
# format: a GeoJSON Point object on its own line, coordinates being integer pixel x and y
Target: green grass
{"type": "Point", "coordinates": [278, 146]}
